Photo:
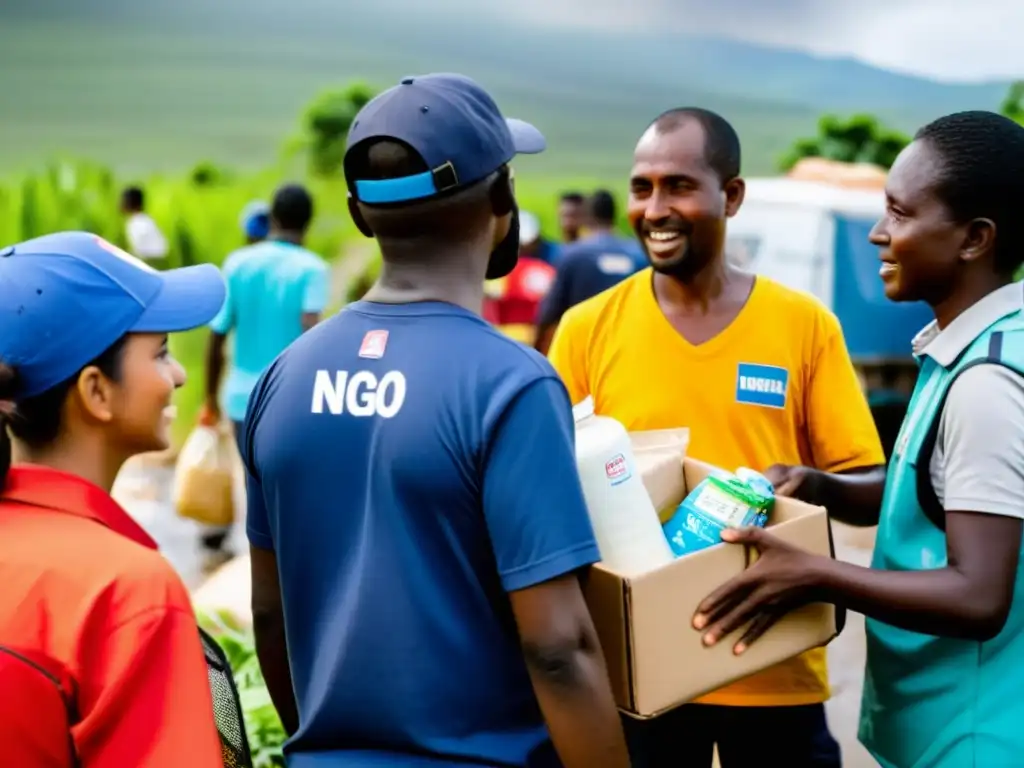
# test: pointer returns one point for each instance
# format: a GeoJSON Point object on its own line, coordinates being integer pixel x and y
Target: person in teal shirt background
{"type": "Point", "coordinates": [944, 597]}
{"type": "Point", "coordinates": [276, 290]}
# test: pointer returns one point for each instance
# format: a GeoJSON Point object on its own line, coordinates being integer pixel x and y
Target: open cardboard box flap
{"type": "Point", "coordinates": [655, 658]}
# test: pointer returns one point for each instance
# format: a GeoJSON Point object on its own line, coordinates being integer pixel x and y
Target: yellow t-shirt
{"type": "Point", "coordinates": [776, 386]}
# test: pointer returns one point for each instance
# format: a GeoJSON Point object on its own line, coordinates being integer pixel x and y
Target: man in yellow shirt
{"type": "Point", "coordinates": [761, 376]}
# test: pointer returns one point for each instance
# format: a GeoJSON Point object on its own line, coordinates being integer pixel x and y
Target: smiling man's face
{"type": "Point", "coordinates": [678, 205]}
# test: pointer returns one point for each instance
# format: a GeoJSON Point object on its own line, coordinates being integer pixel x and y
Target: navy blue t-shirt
{"type": "Point", "coordinates": [588, 267]}
{"type": "Point", "coordinates": [409, 465]}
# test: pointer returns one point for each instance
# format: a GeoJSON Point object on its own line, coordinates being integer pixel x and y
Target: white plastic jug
{"type": "Point", "coordinates": [625, 521]}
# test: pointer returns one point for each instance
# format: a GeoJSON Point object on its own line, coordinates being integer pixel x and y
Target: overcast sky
{"type": "Point", "coordinates": [946, 39]}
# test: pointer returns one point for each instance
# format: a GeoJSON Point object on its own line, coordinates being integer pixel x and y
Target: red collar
{"type": "Point", "coordinates": [48, 488]}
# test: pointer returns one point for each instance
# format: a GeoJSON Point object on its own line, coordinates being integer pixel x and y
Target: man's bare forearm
{"type": "Point", "coordinates": [214, 365]}
{"type": "Point", "coordinates": [575, 697]}
{"type": "Point", "coordinates": [272, 652]}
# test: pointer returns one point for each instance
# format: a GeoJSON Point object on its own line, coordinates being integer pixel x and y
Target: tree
{"type": "Point", "coordinates": [1013, 104]}
{"type": "Point", "coordinates": [858, 139]}
{"type": "Point", "coordinates": [324, 126]}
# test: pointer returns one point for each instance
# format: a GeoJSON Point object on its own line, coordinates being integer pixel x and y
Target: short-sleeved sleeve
{"type": "Point", "coordinates": [225, 319]}
{"type": "Point", "coordinates": [257, 521]}
{"type": "Point", "coordinates": [842, 431]}
{"type": "Point", "coordinates": [314, 296]}
{"type": "Point", "coordinates": [533, 502]}
{"type": "Point", "coordinates": [982, 439]}
{"type": "Point", "coordinates": [568, 353]}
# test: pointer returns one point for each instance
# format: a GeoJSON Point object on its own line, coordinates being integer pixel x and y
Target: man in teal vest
{"type": "Point", "coordinates": [944, 597]}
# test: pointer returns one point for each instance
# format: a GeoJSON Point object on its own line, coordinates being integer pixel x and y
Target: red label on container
{"type": "Point", "coordinates": [615, 467]}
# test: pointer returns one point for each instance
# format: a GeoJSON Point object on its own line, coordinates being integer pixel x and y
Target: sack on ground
{"type": "Point", "coordinates": [204, 477]}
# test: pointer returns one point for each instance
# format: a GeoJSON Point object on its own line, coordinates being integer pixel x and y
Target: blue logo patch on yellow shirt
{"type": "Point", "coordinates": [761, 385]}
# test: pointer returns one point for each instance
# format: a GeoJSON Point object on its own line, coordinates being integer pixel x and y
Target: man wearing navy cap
{"type": "Point", "coordinates": [416, 520]}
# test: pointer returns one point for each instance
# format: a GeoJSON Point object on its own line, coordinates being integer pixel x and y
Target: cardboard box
{"type": "Point", "coordinates": [655, 657]}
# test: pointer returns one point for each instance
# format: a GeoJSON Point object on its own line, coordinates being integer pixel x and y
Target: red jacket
{"type": "Point", "coordinates": [85, 586]}
{"type": "Point", "coordinates": [36, 710]}
{"type": "Point", "coordinates": [515, 300]}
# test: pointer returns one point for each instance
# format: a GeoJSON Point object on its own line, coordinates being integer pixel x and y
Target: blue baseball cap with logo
{"type": "Point", "coordinates": [452, 123]}
{"type": "Point", "coordinates": [68, 297]}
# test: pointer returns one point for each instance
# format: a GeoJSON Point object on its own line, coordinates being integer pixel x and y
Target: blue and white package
{"type": "Point", "coordinates": [720, 501]}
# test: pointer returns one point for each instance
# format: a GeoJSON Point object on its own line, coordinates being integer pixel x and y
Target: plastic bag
{"type": "Point", "coordinates": [204, 477]}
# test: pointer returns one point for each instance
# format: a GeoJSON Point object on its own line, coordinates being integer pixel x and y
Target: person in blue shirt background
{"type": "Point", "coordinates": [416, 521]}
{"type": "Point", "coordinates": [944, 597]}
{"type": "Point", "coordinates": [276, 290]}
{"type": "Point", "coordinates": [588, 266]}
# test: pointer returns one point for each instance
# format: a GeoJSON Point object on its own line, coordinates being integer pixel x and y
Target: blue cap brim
{"type": "Point", "coordinates": [525, 137]}
{"type": "Point", "coordinates": [191, 297]}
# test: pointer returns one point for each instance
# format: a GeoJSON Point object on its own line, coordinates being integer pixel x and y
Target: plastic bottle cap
{"type": "Point", "coordinates": [583, 409]}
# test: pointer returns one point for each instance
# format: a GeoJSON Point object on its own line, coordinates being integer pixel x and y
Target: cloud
{"type": "Point", "coordinates": [948, 39]}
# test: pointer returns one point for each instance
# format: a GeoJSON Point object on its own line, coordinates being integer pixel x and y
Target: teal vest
{"type": "Point", "coordinates": [932, 702]}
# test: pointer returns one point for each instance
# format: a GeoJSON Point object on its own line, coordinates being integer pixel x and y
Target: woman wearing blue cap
{"type": "Point", "coordinates": [86, 382]}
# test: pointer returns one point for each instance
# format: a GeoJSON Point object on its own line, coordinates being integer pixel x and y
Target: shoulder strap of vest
{"type": "Point", "coordinates": [926, 496]}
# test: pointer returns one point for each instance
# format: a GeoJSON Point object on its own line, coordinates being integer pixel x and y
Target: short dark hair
{"type": "Point", "coordinates": [602, 207]}
{"type": "Point", "coordinates": [981, 175]}
{"type": "Point", "coordinates": [440, 217]}
{"type": "Point", "coordinates": [379, 159]}
{"type": "Point", "coordinates": [292, 208]}
{"type": "Point", "coordinates": [572, 197]}
{"type": "Point", "coordinates": [133, 197]}
{"type": "Point", "coordinates": [721, 142]}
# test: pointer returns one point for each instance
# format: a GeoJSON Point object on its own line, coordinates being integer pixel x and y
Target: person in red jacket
{"type": "Point", "coordinates": [512, 303]}
{"type": "Point", "coordinates": [86, 382]}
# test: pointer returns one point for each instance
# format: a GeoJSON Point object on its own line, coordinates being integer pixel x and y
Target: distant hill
{"type": "Point", "coordinates": [161, 84]}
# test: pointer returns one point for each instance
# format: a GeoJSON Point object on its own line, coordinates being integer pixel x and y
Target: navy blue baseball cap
{"type": "Point", "coordinates": [452, 123]}
{"type": "Point", "coordinates": [66, 298]}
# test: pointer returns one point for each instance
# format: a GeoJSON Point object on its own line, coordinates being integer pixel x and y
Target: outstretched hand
{"type": "Point", "coordinates": [783, 578]}
{"type": "Point", "coordinates": [795, 482]}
